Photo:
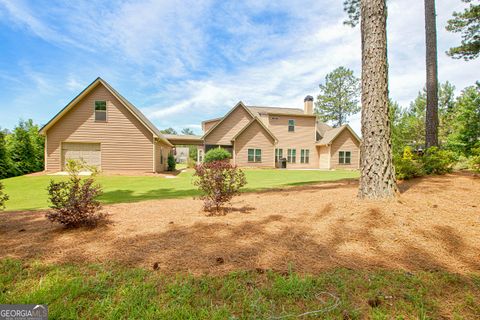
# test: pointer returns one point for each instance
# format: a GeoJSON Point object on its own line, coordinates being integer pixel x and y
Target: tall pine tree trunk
{"type": "Point", "coordinates": [377, 179]}
{"type": "Point", "coordinates": [431, 118]}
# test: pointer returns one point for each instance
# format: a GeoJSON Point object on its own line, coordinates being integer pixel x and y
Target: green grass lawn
{"type": "Point", "coordinates": [97, 291]}
{"type": "Point", "coordinates": [29, 192]}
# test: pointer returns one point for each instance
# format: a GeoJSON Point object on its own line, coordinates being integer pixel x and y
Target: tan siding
{"type": "Point", "coordinates": [255, 137]}
{"type": "Point", "coordinates": [161, 149]}
{"type": "Point", "coordinates": [230, 126]}
{"type": "Point", "coordinates": [209, 124]}
{"type": "Point", "coordinates": [302, 138]}
{"type": "Point", "coordinates": [126, 144]}
{"type": "Point", "coordinates": [345, 142]}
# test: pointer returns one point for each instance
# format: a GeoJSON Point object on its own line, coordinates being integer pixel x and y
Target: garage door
{"type": "Point", "coordinates": [89, 152]}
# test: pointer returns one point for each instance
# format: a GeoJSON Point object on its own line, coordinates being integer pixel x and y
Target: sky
{"type": "Point", "coordinates": [182, 62]}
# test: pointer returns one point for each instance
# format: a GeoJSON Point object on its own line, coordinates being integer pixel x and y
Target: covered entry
{"type": "Point", "coordinates": [88, 152]}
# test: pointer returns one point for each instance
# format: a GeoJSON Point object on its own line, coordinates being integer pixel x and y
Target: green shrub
{"type": "Point", "coordinates": [3, 197]}
{"type": "Point", "coordinates": [74, 202]}
{"type": "Point", "coordinates": [407, 168]}
{"type": "Point", "coordinates": [191, 163]}
{"type": "Point", "coordinates": [217, 154]}
{"type": "Point", "coordinates": [171, 162]}
{"type": "Point", "coordinates": [438, 161]}
{"type": "Point", "coordinates": [474, 163]}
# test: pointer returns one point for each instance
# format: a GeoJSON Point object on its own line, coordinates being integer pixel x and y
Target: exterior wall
{"type": "Point", "coordinates": [324, 157]}
{"type": "Point", "coordinates": [126, 143]}
{"type": "Point", "coordinates": [304, 137]}
{"type": "Point", "coordinates": [161, 149]}
{"type": "Point", "coordinates": [209, 124]}
{"type": "Point", "coordinates": [225, 131]}
{"type": "Point", "coordinates": [345, 142]}
{"type": "Point", "coordinates": [254, 137]}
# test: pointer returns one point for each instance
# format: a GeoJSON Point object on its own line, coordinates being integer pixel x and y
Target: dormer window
{"type": "Point", "coordinates": [291, 125]}
{"type": "Point", "coordinates": [101, 111]}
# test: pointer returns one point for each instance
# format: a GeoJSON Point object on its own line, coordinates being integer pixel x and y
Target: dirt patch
{"type": "Point", "coordinates": [434, 224]}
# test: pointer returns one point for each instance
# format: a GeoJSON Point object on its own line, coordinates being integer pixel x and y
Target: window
{"type": "Point", "coordinates": [278, 155]}
{"type": "Point", "coordinates": [100, 110]}
{"type": "Point", "coordinates": [344, 157]}
{"type": "Point", "coordinates": [291, 125]}
{"type": "Point", "coordinates": [304, 156]}
{"type": "Point", "coordinates": [291, 155]}
{"type": "Point", "coordinates": [254, 155]}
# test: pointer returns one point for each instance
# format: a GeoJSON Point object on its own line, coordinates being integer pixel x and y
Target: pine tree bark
{"type": "Point", "coordinates": [377, 175]}
{"type": "Point", "coordinates": [431, 118]}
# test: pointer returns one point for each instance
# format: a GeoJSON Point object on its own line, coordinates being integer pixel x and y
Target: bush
{"type": "Point", "coordinates": [475, 159]}
{"type": "Point", "coordinates": [438, 161]}
{"type": "Point", "coordinates": [191, 163]}
{"type": "Point", "coordinates": [217, 154]}
{"type": "Point", "coordinates": [407, 168]}
{"type": "Point", "coordinates": [3, 197]}
{"type": "Point", "coordinates": [74, 202]}
{"type": "Point", "coordinates": [219, 181]}
{"type": "Point", "coordinates": [171, 163]}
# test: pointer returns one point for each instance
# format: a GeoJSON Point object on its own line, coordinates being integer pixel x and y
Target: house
{"type": "Point", "coordinates": [263, 136]}
{"type": "Point", "coordinates": [106, 130]}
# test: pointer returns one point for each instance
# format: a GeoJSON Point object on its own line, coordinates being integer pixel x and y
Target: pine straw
{"type": "Point", "coordinates": [434, 224]}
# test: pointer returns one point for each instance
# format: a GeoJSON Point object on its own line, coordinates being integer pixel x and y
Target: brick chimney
{"type": "Point", "coordinates": [308, 105]}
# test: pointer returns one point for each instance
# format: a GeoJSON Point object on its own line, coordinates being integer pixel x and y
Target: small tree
{"type": "Point", "coordinates": [217, 154]}
{"type": "Point", "coordinates": [219, 181]}
{"type": "Point", "coordinates": [171, 162]}
{"type": "Point", "coordinates": [3, 197]}
{"type": "Point", "coordinates": [74, 202]}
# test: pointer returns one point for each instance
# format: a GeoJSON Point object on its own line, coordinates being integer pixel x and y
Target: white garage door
{"type": "Point", "coordinates": [89, 152]}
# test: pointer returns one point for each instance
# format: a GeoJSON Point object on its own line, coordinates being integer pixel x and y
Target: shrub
{"type": "Point", "coordinates": [3, 197]}
{"type": "Point", "coordinates": [191, 163]}
{"type": "Point", "coordinates": [217, 154]}
{"type": "Point", "coordinates": [407, 168]}
{"type": "Point", "coordinates": [475, 159]}
{"type": "Point", "coordinates": [219, 181]}
{"type": "Point", "coordinates": [171, 162]}
{"type": "Point", "coordinates": [438, 161]}
{"type": "Point", "coordinates": [74, 202]}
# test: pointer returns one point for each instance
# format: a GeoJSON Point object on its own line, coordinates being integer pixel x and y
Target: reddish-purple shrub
{"type": "Point", "coordinates": [74, 202]}
{"type": "Point", "coordinates": [219, 182]}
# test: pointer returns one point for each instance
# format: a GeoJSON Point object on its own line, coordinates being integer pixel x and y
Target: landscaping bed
{"type": "Point", "coordinates": [433, 225]}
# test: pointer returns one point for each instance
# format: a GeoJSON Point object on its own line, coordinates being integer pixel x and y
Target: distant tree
{"type": "Point", "coordinates": [468, 24]}
{"type": "Point", "coordinates": [169, 131]}
{"type": "Point", "coordinates": [446, 111]}
{"type": "Point", "coordinates": [6, 167]}
{"type": "Point", "coordinates": [339, 96]}
{"type": "Point", "coordinates": [431, 118]}
{"type": "Point", "coordinates": [466, 133]}
{"type": "Point", "coordinates": [377, 174]}
{"type": "Point", "coordinates": [187, 131]}
{"type": "Point", "coordinates": [26, 147]}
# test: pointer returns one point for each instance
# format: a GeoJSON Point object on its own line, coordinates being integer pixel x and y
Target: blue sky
{"type": "Point", "coordinates": [182, 62]}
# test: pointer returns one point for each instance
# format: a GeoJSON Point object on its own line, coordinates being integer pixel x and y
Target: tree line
{"type": "Point", "coordinates": [21, 150]}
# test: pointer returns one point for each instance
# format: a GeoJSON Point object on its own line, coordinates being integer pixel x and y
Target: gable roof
{"type": "Point", "coordinates": [127, 104]}
{"type": "Point", "coordinates": [330, 135]}
{"type": "Point", "coordinates": [239, 104]}
{"type": "Point", "coordinates": [255, 119]}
